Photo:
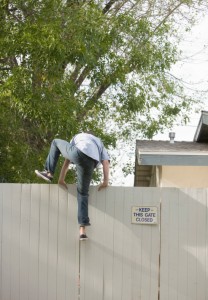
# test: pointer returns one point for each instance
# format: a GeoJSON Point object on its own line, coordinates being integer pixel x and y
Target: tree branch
{"type": "Point", "coordinates": [5, 68]}
{"type": "Point", "coordinates": [8, 63]}
{"type": "Point", "coordinates": [82, 77]}
{"type": "Point", "coordinates": [92, 101]}
{"type": "Point", "coordinates": [171, 11]}
{"type": "Point", "coordinates": [13, 61]}
{"type": "Point", "coordinates": [120, 5]}
{"type": "Point", "coordinates": [78, 81]}
{"type": "Point", "coordinates": [100, 91]}
{"type": "Point", "coordinates": [75, 73]}
{"type": "Point", "coordinates": [108, 6]}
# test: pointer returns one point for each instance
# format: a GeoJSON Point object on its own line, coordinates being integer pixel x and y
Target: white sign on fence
{"type": "Point", "coordinates": [144, 215]}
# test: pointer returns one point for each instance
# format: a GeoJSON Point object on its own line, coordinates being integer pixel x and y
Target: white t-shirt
{"type": "Point", "coordinates": [90, 145]}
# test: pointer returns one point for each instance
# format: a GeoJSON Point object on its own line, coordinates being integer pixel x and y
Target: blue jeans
{"type": "Point", "coordinates": [84, 166]}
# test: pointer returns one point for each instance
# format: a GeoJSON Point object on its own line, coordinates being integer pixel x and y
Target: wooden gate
{"type": "Point", "coordinates": [121, 260]}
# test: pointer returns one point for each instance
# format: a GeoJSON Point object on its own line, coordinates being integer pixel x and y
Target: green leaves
{"type": "Point", "coordinates": [70, 66]}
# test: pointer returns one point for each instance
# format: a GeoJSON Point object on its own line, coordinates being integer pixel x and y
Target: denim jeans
{"type": "Point", "coordinates": [84, 167]}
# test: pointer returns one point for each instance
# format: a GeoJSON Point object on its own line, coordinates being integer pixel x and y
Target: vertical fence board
{"type": "Point", "coordinates": [88, 252]}
{"type": "Point", "coordinates": [127, 245]}
{"type": "Point", "coordinates": [62, 251]}
{"type": "Point", "coordinates": [53, 243]}
{"type": "Point", "coordinates": [183, 242]}
{"type": "Point", "coordinates": [25, 241]}
{"type": "Point", "coordinates": [146, 254]}
{"type": "Point", "coordinates": [192, 242]}
{"type": "Point", "coordinates": [155, 250]}
{"type": "Point", "coordinates": [118, 244]}
{"type": "Point", "coordinates": [43, 241]}
{"type": "Point", "coordinates": [1, 238]}
{"type": "Point", "coordinates": [170, 254]}
{"type": "Point", "coordinates": [108, 243]}
{"type": "Point", "coordinates": [201, 244]}
{"type": "Point", "coordinates": [151, 247]}
{"type": "Point", "coordinates": [137, 248]}
{"type": "Point", "coordinates": [6, 242]}
{"type": "Point", "coordinates": [72, 246]}
{"type": "Point", "coordinates": [15, 241]}
{"type": "Point", "coordinates": [173, 243]}
{"type": "Point", "coordinates": [34, 242]}
{"type": "Point", "coordinates": [164, 254]}
{"type": "Point", "coordinates": [146, 251]}
{"type": "Point", "coordinates": [99, 242]}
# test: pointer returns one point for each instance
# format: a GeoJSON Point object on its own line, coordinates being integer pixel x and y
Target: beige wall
{"type": "Point", "coordinates": [184, 176]}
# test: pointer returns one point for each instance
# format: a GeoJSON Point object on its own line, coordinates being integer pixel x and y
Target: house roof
{"type": "Point", "coordinates": [166, 153]}
{"type": "Point", "coordinates": [150, 153]}
{"type": "Point", "coordinates": [166, 146]}
{"type": "Point", "coordinates": [201, 134]}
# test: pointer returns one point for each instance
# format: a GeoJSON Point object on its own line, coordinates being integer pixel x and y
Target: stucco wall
{"type": "Point", "coordinates": [184, 176]}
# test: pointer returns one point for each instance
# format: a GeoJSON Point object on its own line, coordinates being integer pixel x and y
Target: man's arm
{"type": "Point", "coordinates": [63, 172]}
{"type": "Point", "coordinates": [104, 184]}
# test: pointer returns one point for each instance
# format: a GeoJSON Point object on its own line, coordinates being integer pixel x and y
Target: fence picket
{"type": "Point", "coordinates": [43, 240]}
{"type": "Point", "coordinates": [72, 246]}
{"type": "Point", "coordinates": [15, 238]}
{"type": "Point", "coordinates": [6, 242]}
{"type": "Point", "coordinates": [25, 241]}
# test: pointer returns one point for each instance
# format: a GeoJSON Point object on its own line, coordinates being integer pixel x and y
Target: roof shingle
{"type": "Point", "coordinates": [166, 146]}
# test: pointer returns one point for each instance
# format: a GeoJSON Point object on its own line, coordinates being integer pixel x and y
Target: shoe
{"type": "Point", "coordinates": [43, 175]}
{"type": "Point", "coordinates": [83, 237]}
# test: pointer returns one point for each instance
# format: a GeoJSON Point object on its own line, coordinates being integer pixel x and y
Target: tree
{"type": "Point", "coordinates": [70, 66]}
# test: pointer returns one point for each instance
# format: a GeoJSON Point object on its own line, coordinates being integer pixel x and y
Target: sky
{"type": "Point", "coordinates": [193, 70]}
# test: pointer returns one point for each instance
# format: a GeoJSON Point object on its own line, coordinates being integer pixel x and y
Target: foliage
{"type": "Point", "coordinates": [71, 66]}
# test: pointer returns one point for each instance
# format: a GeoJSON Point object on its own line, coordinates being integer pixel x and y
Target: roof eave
{"type": "Point", "coordinates": [173, 159]}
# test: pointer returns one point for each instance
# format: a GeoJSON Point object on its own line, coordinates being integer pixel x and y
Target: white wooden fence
{"type": "Point", "coordinates": [41, 257]}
